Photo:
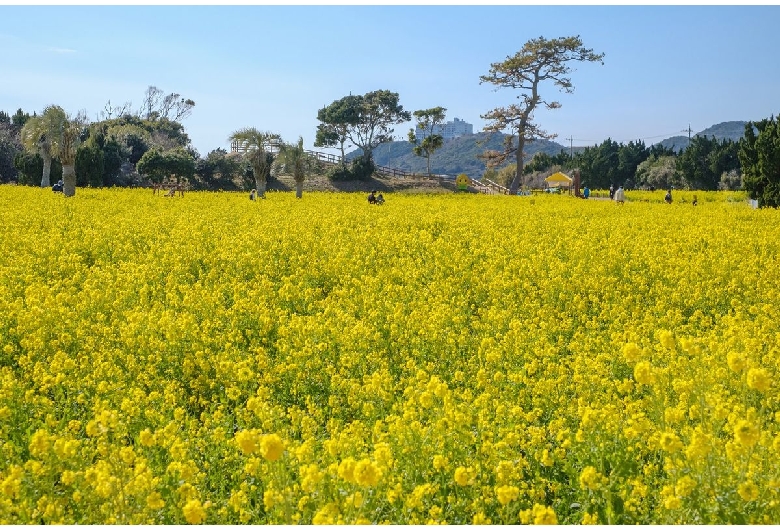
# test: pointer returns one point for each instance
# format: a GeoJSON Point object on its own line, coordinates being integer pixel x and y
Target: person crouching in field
{"type": "Point", "coordinates": [372, 198]}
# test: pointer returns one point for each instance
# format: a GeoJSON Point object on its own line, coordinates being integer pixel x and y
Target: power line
{"type": "Point", "coordinates": [571, 147]}
{"type": "Point", "coordinates": [665, 135]}
{"type": "Point", "coordinates": [689, 132]}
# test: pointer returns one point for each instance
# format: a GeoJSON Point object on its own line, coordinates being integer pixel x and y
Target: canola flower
{"type": "Point", "coordinates": [442, 359]}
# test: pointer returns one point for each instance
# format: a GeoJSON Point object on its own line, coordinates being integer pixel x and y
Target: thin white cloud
{"type": "Point", "coordinates": [53, 49]}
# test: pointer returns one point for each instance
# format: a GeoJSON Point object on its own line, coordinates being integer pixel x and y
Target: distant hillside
{"type": "Point", "coordinates": [460, 155]}
{"type": "Point", "coordinates": [455, 156]}
{"type": "Point", "coordinates": [727, 130]}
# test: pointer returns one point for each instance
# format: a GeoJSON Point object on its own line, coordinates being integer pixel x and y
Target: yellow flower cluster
{"type": "Point", "coordinates": [453, 359]}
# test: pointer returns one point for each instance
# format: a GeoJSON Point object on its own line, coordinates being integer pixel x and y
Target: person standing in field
{"type": "Point", "coordinates": [668, 197]}
{"type": "Point", "coordinates": [252, 195]}
{"type": "Point", "coordinates": [586, 192]}
{"type": "Point", "coordinates": [620, 195]}
{"type": "Point", "coordinates": [611, 191]}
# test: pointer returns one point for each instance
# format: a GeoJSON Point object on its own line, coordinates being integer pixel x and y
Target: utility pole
{"type": "Point", "coordinates": [571, 146]}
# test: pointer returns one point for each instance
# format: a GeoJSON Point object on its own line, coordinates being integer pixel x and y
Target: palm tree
{"type": "Point", "coordinates": [38, 135]}
{"type": "Point", "coordinates": [295, 160]}
{"type": "Point", "coordinates": [260, 146]}
{"type": "Point", "coordinates": [66, 144]}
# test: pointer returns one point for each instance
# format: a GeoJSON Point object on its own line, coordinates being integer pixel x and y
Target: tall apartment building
{"type": "Point", "coordinates": [449, 130]}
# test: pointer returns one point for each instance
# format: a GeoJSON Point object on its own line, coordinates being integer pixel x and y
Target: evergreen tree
{"type": "Point", "coordinates": [760, 159]}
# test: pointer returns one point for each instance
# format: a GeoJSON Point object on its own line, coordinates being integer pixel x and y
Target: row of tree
{"type": "Point", "coordinates": [707, 164]}
{"type": "Point", "coordinates": [366, 121]}
{"type": "Point", "coordinates": [152, 144]}
{"type": "Point", "coordinates": [760, 158]}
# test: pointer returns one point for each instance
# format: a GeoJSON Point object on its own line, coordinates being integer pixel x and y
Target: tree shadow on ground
{"type": "Point", "coordinates": [376, 183]}
{"type": "Point", "coordinates": [278, 185]}
{"type": "Point", "coordinates": [364, 185]}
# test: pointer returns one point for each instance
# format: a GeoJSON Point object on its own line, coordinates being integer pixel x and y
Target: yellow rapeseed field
{"type": "Point", "coordinates": [455, 359]}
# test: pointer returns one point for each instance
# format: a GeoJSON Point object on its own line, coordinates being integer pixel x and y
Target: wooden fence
{"type": "Point", "coordinates": [330, 158]}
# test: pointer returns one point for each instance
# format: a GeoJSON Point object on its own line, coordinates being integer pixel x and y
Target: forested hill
{"type": "Point", "coordinates": [456, 156]}
{"type": "Point", "coordinates": [727, 130]}
{"type": "Point", "coordinates": [461, 154]}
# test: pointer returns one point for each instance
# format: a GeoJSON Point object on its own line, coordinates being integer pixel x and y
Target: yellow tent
{"type": "Point", "coordinates": [558, 179]}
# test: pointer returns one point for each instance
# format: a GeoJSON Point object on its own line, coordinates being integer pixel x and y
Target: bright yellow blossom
{"type": "Point", "coordinates": [758, 378]}
{"type": "Point", "coordinates": [194, 513]}
{"type": "Point", "coordinates": [247, 441]}
{"type": "Point", "coordinates": [507, 494]}
{"type": "Point", "coordinates": [748, 491]}
{"type": "Point", "coordinates": [271, 447]}
{"type": "Point", "coordinates": [670, 442]}
{"type": "Point", "coordinates": [684, 486]}
{"type": "Point", "coordinates": [746, 433]}
{"type": "Point", "coordinates": [631, 352]}
{"type": "Point", "coordinates": [736, 361]}
{"type": "Point", "coordinates": [154, 501]}
{"type": "Point", "coordinates": [667, 339]}
{"type": "Point", "coordinates": [366, 473]}
{"type": "Point", "coordinates": [544, 515]}
{"type": "Point", "coordinates": [590, 478]}
{"type": "Point", "coordinates": [643, 373]}
{"type": "Point", "coordinates": [464, 476]}
{"type": "Point", "coordinates": [273, 358]}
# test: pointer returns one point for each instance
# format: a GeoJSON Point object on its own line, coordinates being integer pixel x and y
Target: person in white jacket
{"type": "Point", "coordinates": [620, 195]}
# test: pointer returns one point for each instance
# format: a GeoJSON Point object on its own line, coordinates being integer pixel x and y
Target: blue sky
{"type": "Point", "coordinates": [273, 67]}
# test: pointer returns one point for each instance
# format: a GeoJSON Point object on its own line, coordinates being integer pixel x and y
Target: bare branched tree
{"type": "Point", "coordinates": [111, 111]}
{"type": "Point", "coordinates": [156, 105]}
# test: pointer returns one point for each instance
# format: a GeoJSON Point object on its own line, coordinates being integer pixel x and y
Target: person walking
{"type": "Point", "coordinates": [620, 195]}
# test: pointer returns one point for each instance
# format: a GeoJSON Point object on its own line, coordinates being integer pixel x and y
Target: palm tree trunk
{"type": "Point", "coordinates": [46, 178]}
{"type": "Point", "coordinates": [69, 180]}
{"type": "Point", "coordinates": [298, 188]}
{"type": "Point", "coordinates": [260, 185]}
{"type": "Point", "coordinates": [260, 181]}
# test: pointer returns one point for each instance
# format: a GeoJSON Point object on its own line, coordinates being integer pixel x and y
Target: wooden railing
{"type": "Point", "coordinates": [495, 188]}
{"type": "Point", "coordinates": [394, 172]}
{"type": "Point", "coordinates": [242, 147]}
{"type": "Point", "coordinates": [328, 158]}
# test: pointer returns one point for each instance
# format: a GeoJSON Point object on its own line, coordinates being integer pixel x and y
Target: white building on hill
{"type": "Point", "coordinates": [449, 130]}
